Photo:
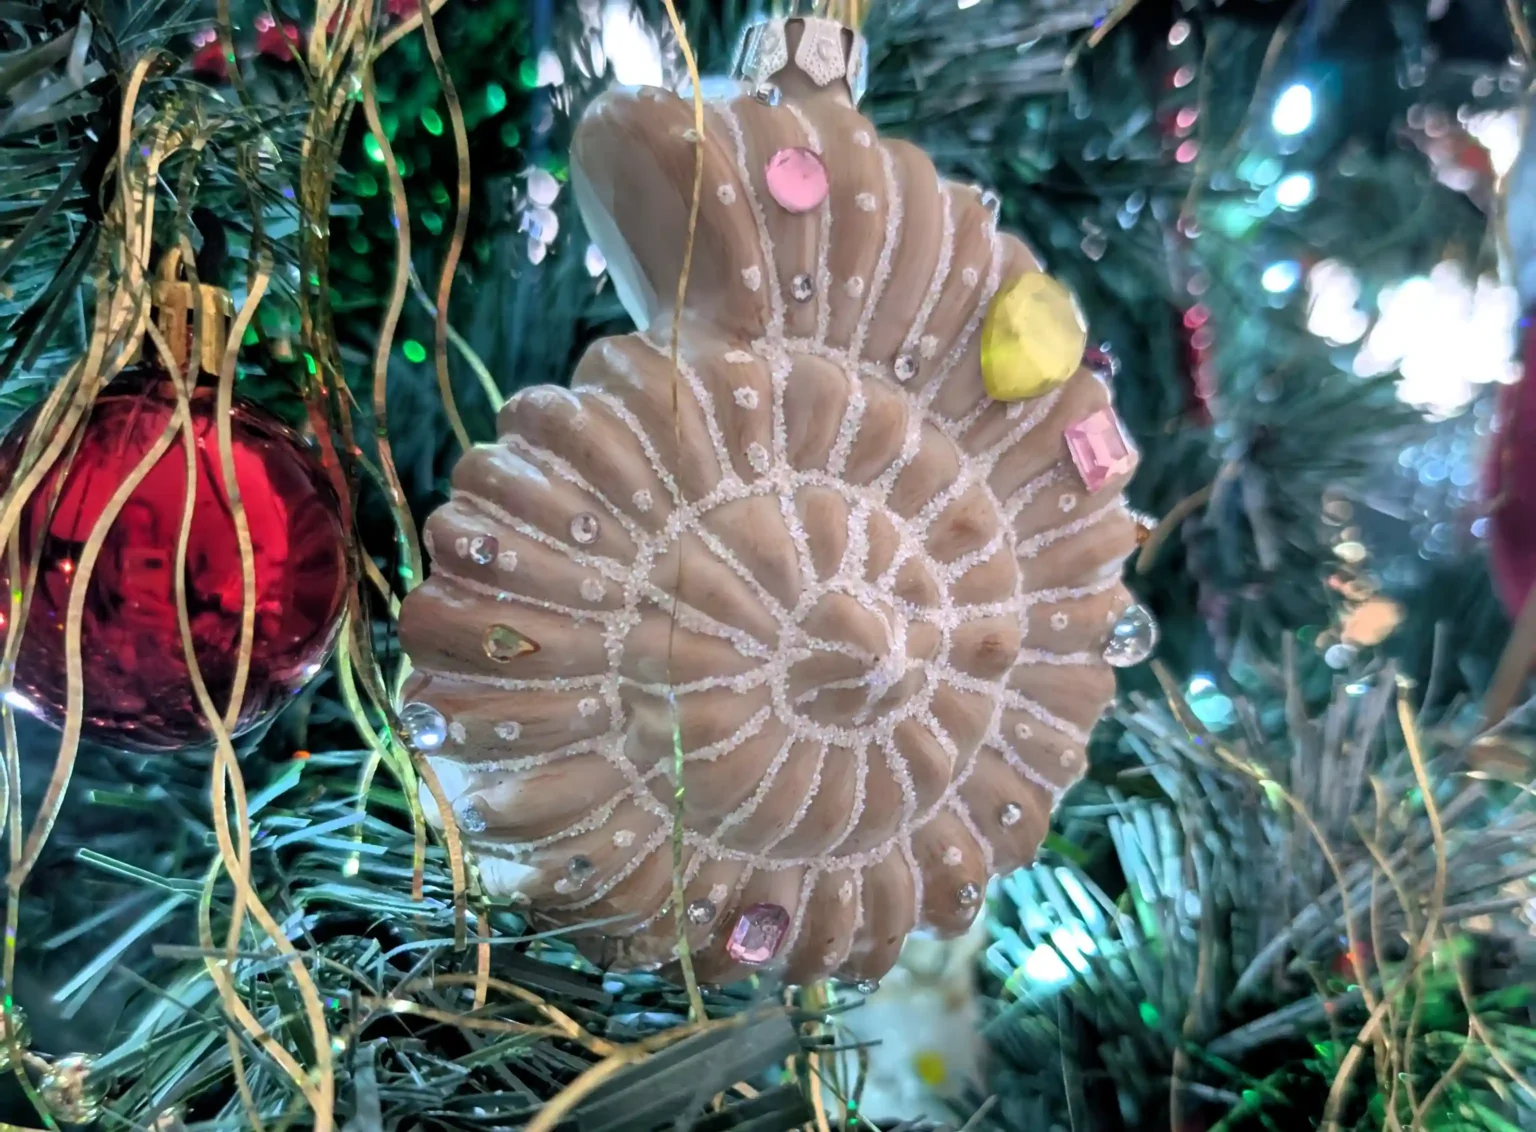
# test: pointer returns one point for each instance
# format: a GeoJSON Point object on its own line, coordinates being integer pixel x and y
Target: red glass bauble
{"type": "Point", "coordinates": [1511, 484]}
{"type": "Point", "coordinates": [137, 690]}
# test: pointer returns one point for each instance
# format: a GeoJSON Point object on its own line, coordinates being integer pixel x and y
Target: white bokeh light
{"type": "Point", "coordinates": [1497, 131]}
{"type": "Point", "coordinates": [630, 46]}
{"type": "Point", "coordinates": [1444, 334]}
{"type": "Point", "coordinates": [1294, 110]}
{"type": "Point", "coordinates": [1332, 292]}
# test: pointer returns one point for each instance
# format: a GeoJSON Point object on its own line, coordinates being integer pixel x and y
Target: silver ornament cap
{"type": "Point", "coordinates": [827, 51]}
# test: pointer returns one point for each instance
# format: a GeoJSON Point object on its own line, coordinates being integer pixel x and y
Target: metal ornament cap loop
{"type": "Point", "coordinates": [828, 51]}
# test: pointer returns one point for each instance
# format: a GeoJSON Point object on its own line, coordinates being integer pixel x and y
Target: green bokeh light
{"type": "Point", "coordinates": [510, 134]}
{"type": "Point", "coordinates": [373, 149]}
{"type": "Point", "coordinates": [414, 351]}
{"type": "Point", "coordinates": [433, 121]}
{"type": "Point", "coordinates": [495, 98]}
{"type": "Point", "coordinates": [432, 222]}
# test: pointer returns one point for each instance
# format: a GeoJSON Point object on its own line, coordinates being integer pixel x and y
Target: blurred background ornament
{"type": "Point", "coordinates": [923, 1026]}
{"type": "Point", "coordinates": [136, 688]}
{"type": "Point", "coordinates": [1511, 484]}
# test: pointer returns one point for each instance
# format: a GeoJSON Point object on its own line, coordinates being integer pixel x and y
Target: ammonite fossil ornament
{"type": "Point", "coordinates": [861, 604]}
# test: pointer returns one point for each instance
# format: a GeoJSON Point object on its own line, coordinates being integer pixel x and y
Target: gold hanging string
{"type": "Point", "coordinates": [235, 860]}
{"type": "Point", "coordinates": [679, 829]}
{"type": "Point", "coordinates": [460, 228]}
{"type": "Point", "coordinates": [131, 294]}
{"type": "Point", "coordinates": [410, 545]}
{"type": "Point", "coordinates": [119, 320]}
{"type": "Point", "coordinates": [404, 28]}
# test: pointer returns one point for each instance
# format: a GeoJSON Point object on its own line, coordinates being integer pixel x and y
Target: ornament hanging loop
{"type": "Point", "coordinates": [802, 55]}
{"type": "Point", "coordinates": [185, 312]}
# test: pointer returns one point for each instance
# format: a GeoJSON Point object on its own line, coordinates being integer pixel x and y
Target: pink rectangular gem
{"type": "Point", "coordinates": [1099, 448]}
{"type": "Point", "coordinates": [758, 932]}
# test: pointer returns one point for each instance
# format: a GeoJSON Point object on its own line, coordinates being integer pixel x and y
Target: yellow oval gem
{"type": "Point", "coordinates": [930, 1068]}
{"type": "Point", "coordinates": [1033, 338]}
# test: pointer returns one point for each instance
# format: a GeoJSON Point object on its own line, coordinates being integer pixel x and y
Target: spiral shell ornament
{"type": "Point", "coordinates": [860, 602]}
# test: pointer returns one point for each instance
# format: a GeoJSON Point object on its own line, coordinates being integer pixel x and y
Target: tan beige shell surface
{"type": "Point", "coordinates": [874, 600]}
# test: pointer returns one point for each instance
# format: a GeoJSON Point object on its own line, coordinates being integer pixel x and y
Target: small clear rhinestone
{"type": "Point", "coordinates": [1069, 757]}
{"type": "Point", "coordinates": [457, 732]}
{"type": "Point", "coordinates": [862, 139]}
{"type": "Point", "coordinates": [718, 893]}
{"type": "Point", "coordinates": [727, 194]}
{"type": "Point", "coordinates": [906, 367]}
{"type": "Point", "coordinates": [752, 277]}
{"type": "Point", "coordinates": [700, 911]}
{"type": "Point", "coordinates": [854, 287]}
{"type": "Point", "coordinates": [1067, 502]}
{"type": "Point", "coordinates": [953, 856]}
{"type": "Point", "coordinates": [746, 397]}
{"type": "Point", "coordinates": [592, 589]}
{"type": "Point", "coordinates": [623, 838]}
{"type": "Point", "coordinates": [1059, 621]}
{"type": "Point", "coordinates": [767, 94]}
{"type": "Point", "coordinates": [589, 706]}
{"type": "Point", "coordinates": [757, 457]}
{"type": "Point", "coordinates": [507, 560]}
{"type": "Point", "coordinates": [1022, 731]}
{"type": "Point", "coordinates": [865, 201]}
{"type": "Point", "coordinates": [968, 894]}
{"type": "Point", "coordinates": [643, 501]}
{"type": "Point", "coordinates": [578, 869]}
{"type": "Point", "coordinates": [584, 528]}
{"type": "Point", "coordinates": [802, 288]}
{"type": "Point", "coordinates": [471, 820]}
{"type": "Point", "coordinates": [1010, 814]}
{"type": "Point", "coordinates": [1133, 638]}
{"type": "Point", "coordinates": [971, 276]}
{"type": "Point", "coordinates": [867, 986]}
{"type": "Point", "coordinates": [509, 730]}
{"type": "Point", "coordinates": [425, 725]}
{"type": "Point", "coordinates": [928, 345]}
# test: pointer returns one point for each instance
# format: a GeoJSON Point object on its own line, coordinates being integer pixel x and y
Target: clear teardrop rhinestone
{"type": "Point", "coordinates": [1010, 814]}
{"type": "Point", "coordinates": [906, 367]}
{"type": "Point", "coordinates": [584, 528]}
{"type": "Point", "coordinates": [802, 288]}
{"type": "Point", "coordinates": [483, 549]}
{"type": "Point", "coordinates": [1132, 639]}
{"type": "Point", "coordinates": [578, 869]}
{"type": "Point", "coordinates": [425, 726]}
{"type": "Point", "coordinates": [969, 894]}
{"type": "Point", "coordinates": [700, 911]}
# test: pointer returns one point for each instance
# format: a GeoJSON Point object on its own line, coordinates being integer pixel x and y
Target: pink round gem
{"type": "Point", "coordinates": [797, 179]}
